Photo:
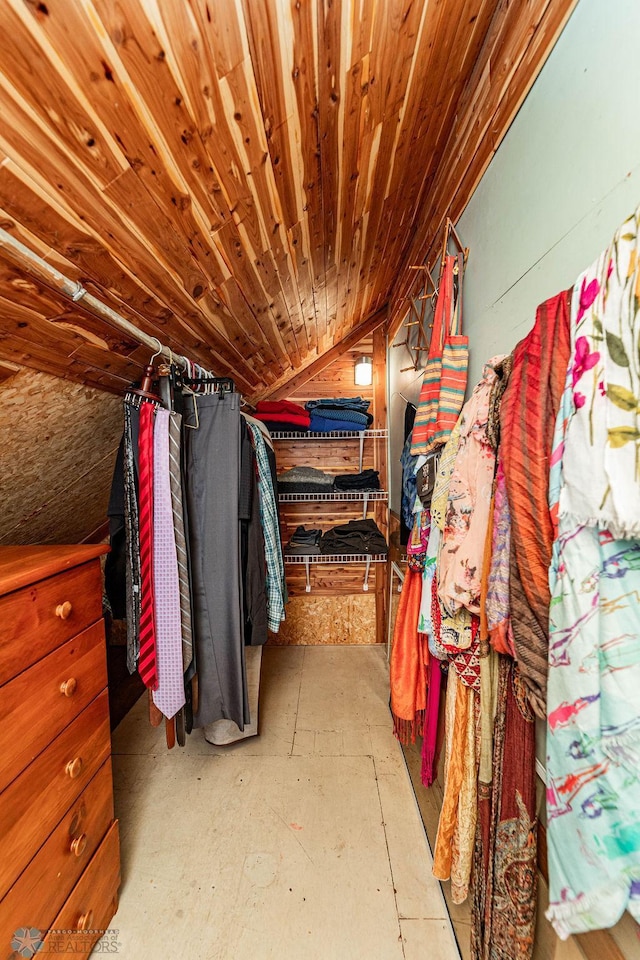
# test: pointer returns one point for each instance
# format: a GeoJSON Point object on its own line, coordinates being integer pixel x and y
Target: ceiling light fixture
{"type": "Point", "coordinates": [363, 372]}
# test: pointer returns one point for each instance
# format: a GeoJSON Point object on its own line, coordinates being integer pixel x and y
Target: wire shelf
{"type": "Point", "coordinates": [336, 558]}
{"type": "Point", "coordinates": [333, 495]}
{"type": "Point", "coordinates": [332, 435]}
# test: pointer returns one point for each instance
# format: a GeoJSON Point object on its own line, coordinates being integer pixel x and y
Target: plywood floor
{"type": "Point", "coordinates": [304, 843]}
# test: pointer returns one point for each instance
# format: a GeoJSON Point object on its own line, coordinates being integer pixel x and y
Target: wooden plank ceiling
{"type": "Point", "coordinates": [248, 180]}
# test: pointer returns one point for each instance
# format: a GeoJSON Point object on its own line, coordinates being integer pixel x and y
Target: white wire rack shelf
{"type": "Point", "coordinates": [308, 561]}
{"type": "Point", "coordinates": [332, 435]}
{"type": "Point", "coordinates": [359, 435]}
{"type": "Point", "coordinates": [335, 558]}
{"type": "Point", "coordinates": [333, 495]}
{"type": "Point", "coordinates": [354, 496]}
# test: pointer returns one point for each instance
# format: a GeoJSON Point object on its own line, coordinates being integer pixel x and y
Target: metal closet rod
{"type": "Point", "coordinates": [38, 267]}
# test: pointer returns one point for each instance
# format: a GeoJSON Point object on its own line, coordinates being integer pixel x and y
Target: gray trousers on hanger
{"type": "Point", "coordinates": [213, 480]}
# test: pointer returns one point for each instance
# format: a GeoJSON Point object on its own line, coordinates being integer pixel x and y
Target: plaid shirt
{"type": "Point", "coordinates": [275, 584]}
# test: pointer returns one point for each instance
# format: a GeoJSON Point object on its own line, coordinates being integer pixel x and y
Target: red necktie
{"type": "Point", "coordinates": [147, 659]}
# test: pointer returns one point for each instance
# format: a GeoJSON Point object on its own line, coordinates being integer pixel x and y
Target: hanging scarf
{"type": "Point", "coordinates": [453, 851]}
{"type": "Point", "coordinates": [603, 435]}
{"type": "Point", "coordinates": [443, 477]}
{"type": "Point", "coordinates": [467, 517]}
{"type": "Point", "coordinates": [527, 418]}
{"type": "Point", "coordinates": [505, 870]}
{"type": "Point", "coordinates": [497, 609]}
{"type": "Point", "coordinates": [408, 663]}
{"type": "Point", "coordinates": [593, 721]}
{"type": "Point", "coordinates": [430, 733]}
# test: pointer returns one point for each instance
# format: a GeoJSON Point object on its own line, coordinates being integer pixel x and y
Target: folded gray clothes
{"type": "Point", "coordinates": [304, 542]}
{"type": "Point", "coordinates": [305, 480]}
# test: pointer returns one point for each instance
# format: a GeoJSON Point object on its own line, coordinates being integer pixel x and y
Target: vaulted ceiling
{"type": "Point", "coordinates": [248, 180]}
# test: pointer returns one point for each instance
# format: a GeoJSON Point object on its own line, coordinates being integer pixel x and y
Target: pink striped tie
{"type": "Point", "coordinates": [147, 659]}
{"type": "Point", "coordinates": [169, 696]}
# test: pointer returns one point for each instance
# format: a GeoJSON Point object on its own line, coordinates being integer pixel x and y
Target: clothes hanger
{"type": "Point", "coordinates": [145, 390]}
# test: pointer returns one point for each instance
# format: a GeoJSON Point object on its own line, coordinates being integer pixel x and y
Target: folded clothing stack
{"type": "Point", "coordinates": [305, 480]}
{"type": "Point", "coordinates": [283, 415]}
{"type": "Point", "coordinates": [343, 413]}
{"type": "Point", "coordinates": [304, 542]}
{"type": "Point", "coordinates": [367, 480]}
{"type": "Point", "coordinates": [356, 536]}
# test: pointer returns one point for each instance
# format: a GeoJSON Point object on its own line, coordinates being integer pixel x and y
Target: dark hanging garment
{"type": "Point", "coordinates": [252, 548]}
{"type": "Point", "coordinates": [115, 568]}
{"type": "Point", "coordinates": [409, 417]}
{"type": "Point", "coordinates": [213, 495]}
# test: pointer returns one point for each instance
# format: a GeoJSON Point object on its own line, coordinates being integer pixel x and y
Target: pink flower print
{"type": "Point", "coordinates": [602, 388]}
{"type": "Point", "coordinates": [579, 400]}
{"type": "Point", "coordinates": [587, 296]}
{"type": "Point", "coordinates": [583, 360]}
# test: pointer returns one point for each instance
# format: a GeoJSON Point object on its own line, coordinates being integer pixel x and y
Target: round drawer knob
{"type": "Point", "coordinates": [63, 610]}
{"type": "Point", "coordinates": [74, 767]}
{"type": "Point", "coordinates": [85, 922]}
{"type": "Point", "coordinates": [68, 688]}
{"type": "Point", "coordinates": [79, 845]}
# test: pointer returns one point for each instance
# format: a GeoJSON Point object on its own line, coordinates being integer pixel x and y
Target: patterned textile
{"type": "Point", "coordinates": [175, 438]}
{"type": "Point", "coordinates": [505, 870]}
{"type": "Point", "coordinates": [527, 417]}
{"type": "Point", "coordinates": [453, 851]}
{"type": "Point", "coordinates": [147, 658]}
{"type": "Point", "coordinates": [445, 375]}
{"type": "Point", "coordinates": [169, 696]}
{"type": "Point", "coordinates": [498, 619]}
{"type": "Point", "coordinates": [603, 434]}
{"type": "Point", "coordinates": [467, 518]}
{"type": "Point", "coordinates": [593, 732]}
{"type": "Point", "coordinates": [408, 663]}
{"type": "Point", "coordinates": [274, 584]}
{"type": "Point", "coordinates": [484, 578]}
{"type": "Point", "coordinates": [466, 662]}
{"type": "Point", "coordinates": [425, 624]}
{"type": "Point", "coordinates": [503, 371]}
{"type": "Point", "coordinates": [132, 535]}
{"type": "Point", "coordinates": [593, 721]}
{"type": "Point", "coordinates": [443, 478]}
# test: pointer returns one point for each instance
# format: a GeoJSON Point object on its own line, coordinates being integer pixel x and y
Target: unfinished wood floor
{"type": "Point", "coordinates": [302, 844]}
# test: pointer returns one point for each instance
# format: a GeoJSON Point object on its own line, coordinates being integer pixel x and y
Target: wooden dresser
{"type": "Point", "coordinates": [59, 849]}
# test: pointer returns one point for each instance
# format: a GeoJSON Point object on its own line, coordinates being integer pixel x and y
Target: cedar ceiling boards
{"type": "Point", "coordinates": [248, 180]}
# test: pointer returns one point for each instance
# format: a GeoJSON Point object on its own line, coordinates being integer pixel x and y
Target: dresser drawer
{"type": "Point", "coordinates": [37, 619]}
{"type": "Point", "coordinates": [36, 801]}
{"type": "Point", "coordinates": [40, 702]}
{"type": "Point", "coordinates": [91, 904]}
{"type": "Point", "coordinates": [40, 892]}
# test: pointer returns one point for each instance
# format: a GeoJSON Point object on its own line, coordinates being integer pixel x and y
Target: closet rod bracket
{"type": "Point", "coordinates": [365, 585]}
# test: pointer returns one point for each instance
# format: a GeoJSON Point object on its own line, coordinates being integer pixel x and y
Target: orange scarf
{"type": "Point", "coordinates": [408, 666]}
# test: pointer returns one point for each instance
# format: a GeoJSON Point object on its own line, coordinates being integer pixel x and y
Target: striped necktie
{"type": "Point", "coordinates": [169, 696]}
{"type": "Point", "coordinates": [175, 475]}
{"type": "Point", "coordinates": [147, 659]}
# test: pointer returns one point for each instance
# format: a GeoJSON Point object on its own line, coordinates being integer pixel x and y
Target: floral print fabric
{"type": "Point", "coordinates": [593, 713]}
{"type": "Point", "coordinates": [468, 506]}
{"type": "Point", "coordinates": [603, 435]}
